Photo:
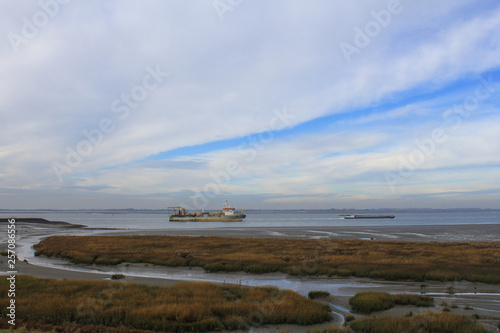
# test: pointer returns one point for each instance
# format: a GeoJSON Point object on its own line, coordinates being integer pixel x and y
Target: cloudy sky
{"type": "Point", "coordinates": [270, 104]}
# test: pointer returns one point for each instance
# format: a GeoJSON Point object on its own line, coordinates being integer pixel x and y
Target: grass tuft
{"type": "Point", "coordinates": [371, 301]}
{"type": "Point", "coordinates": [314, 294]}
{"type": "Point", "coordinates": [349, 318]}
{"type": "Point", "coordinates": [329, 329]}
{"type": "Point", "coordinates": [422, 323]}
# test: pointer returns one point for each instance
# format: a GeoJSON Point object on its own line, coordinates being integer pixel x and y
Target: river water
{"type": "Point", "coordinates": [256, 219]}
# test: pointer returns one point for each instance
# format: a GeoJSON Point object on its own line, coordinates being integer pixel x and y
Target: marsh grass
{"type": "Point", "coordinates": [422, 323]}
{"type": "Point", "coordinates": [413, 299]}
{"type": "Point", "coordinates": [330, 329]}
{"type": "Point", "coordinates": [349, 318]}
{"type": "Point", "coordinates": [186, 306]}
{"type": "Point", "coordinates": [391, 260]}
{"type": "Point", "coordinates": [371, 301]}
{"type": "Point", "coordinates": [314, 294]}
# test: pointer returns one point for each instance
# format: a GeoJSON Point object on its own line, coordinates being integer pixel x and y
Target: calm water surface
{"type": "Point", "coordinates": [153, 220]}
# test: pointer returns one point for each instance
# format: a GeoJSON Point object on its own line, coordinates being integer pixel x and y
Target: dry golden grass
{"type": "Point", "coordinates": [423, 323]}
{"type": "Point", "coordinates": [371, 301]}
{"type": "Point", "coordinates": [392, 260]}
{"type": "Point", "coordinates": [186, 306]}
{"type": "Point", "coordinates": [333, 328]}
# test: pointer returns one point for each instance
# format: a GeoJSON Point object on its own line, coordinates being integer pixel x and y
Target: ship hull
{"type": "Point", "coordinates": [353, 217]}
{"type": "Point", "coordinates": [205, 219]}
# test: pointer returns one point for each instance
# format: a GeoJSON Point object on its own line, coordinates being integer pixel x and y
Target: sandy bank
{"type": "Point", "coordinates": [38, 220]}
{"type": "Point", "coordinates": [24, 268]}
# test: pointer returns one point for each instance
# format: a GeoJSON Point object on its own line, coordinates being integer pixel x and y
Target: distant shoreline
{"type": "Point", "coordinates": [257, 210]}
{"type": "Point", "coordinates": [42, 221]}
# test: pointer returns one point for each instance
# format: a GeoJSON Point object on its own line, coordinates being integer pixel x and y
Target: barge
{"type": "Point", "coordinates": [227, 214]}
{"type": "Point", "coordinates": [361, 216]}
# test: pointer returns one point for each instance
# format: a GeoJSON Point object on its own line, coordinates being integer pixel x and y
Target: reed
{"type": "Point", "coordinates": [390, 260]}
{"type": "Point", "coordinates": [186, 306]}
{"type": "Point", "coordinates": [314, 294]}
{"type": "Point", "coordinates": [330, 329]}
{"type": "Point", "coordinates": [413, 299]}
{"type": "Point", "coordinates": [371, 301]}
{"type": "Point", "coordinates": [422, 323]}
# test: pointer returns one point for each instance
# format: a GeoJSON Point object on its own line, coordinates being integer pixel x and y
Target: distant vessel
{"type": "Point", "coordinates": [227, 214]}
{"type": "Point", "coordinates": [360, 216]}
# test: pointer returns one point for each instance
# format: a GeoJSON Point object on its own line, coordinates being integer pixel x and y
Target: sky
{"type": "Point", "coordinates": [269, 104]}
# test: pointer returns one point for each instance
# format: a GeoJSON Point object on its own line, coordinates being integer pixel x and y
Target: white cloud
{"type": "Point", "coordinates": [225, 79]}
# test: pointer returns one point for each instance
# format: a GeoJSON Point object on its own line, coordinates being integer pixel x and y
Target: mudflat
{"type": "Point", "coordinates": [438, 233]}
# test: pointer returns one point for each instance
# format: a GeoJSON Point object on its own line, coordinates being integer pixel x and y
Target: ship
{"type": "Point", "coordinates": [227, 214]}
{"type": "Point", "coordinates": [360, 216]}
